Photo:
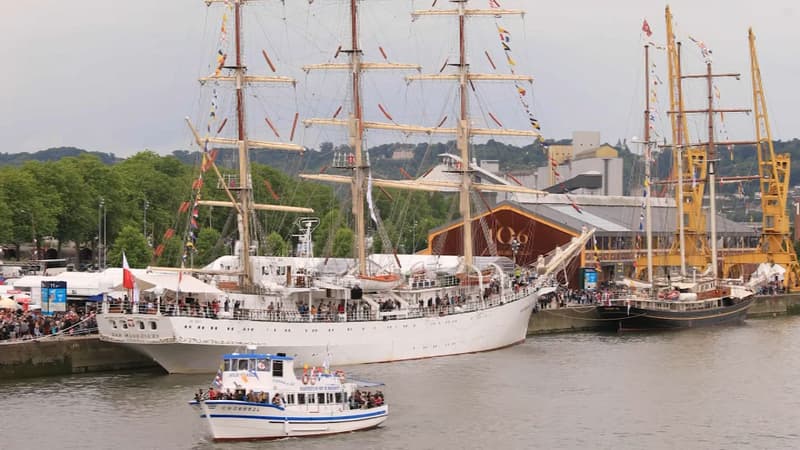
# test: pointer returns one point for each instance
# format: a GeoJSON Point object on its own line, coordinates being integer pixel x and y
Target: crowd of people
{"type": "Point", "coordinates": [33, 324]}
{"type": "Point", "coordinates": [359, 400]}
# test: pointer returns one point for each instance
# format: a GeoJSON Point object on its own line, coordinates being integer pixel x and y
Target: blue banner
{"type": "Point", "coordinates": [54, 296]}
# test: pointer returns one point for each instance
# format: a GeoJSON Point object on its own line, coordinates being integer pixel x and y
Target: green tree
{"type": "Point", "coordinates": [343, 243]}
{"type": "Point", "coordinates": [208, 246]}
{"type": "Point", "coordinates": [33, 210]}
{"type": "Point", "coordinates": [131, 241]}
{"type": "Point", "coordinates": [275, 245]}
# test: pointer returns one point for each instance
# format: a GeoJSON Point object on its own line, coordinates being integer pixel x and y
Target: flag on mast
{"type": "Point", "coordinates": [646, 28]}
{"type": "Point", "coordinates": [127, 275]}
{"type": "Point", "coordinates": [180, 277]}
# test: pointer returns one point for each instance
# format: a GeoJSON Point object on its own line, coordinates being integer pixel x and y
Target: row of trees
{"type": "Point", "coordinates": [130, 205]}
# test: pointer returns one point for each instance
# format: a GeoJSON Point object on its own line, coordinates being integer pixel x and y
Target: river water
{"type": "Point", "coordinates": [717, 388]}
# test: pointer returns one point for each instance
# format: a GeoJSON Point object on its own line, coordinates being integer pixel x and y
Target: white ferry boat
{"type": "Point", "coordinates": [259, 396]}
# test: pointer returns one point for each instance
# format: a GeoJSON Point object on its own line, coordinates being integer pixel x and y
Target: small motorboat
{"type": "Point", "coordinates": [259, 396]}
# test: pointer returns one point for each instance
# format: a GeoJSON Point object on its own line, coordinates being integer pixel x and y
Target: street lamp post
{"type": "Point", "coordinates": [100, 216]}
{"type": "Point", "coordinates": [414, 238]}
{"type": "Point", "coordinates": [144, 220]}
{"type": "Point", "coordinates": [515, 244]}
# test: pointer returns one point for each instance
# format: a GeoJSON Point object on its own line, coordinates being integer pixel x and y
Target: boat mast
{"type": "Point", "coordinates": [462, 131]}
{"type": "Point", "coordinates": [357, 142]}
{"type": "Point", "coordinates": [462, 140]}
{"type": "Point", "coordinates": [240, 195]}
{"type": "Point", "coordinates": [245, 190]}
{"type": "Point", "coordinates": [355, 126]}
{"type": "Point", "coordinates": [712, 158]}
{"type": "Point", "coordinates": [710, 150]}
{"type": "Point", "coordinates": [647, 161]}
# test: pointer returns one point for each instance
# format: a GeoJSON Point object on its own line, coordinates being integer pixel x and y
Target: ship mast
{"type": "Point", "coordinates": [240, 195]}
{"type": "Point", "coordinates": [355, 125]}
{"type": "Point", "coordinates": [357, 142]}
{"type": "Point", "coordinates": [463, 130]}
{"type": "Point", "coordinates": [462, 140]}
{"type": "Point", "coordinates": [647, 161]}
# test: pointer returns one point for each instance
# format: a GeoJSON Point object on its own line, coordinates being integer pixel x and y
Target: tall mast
{"type": "Point", "coordinates": [694, 162]}
{"type": "Point", "coordinates": [462, 139]}
{"type": "Point", "coordinates": [245, 191]}
{"type": "Point", "coordinates": [463, 126]}
{"type": "Point", "coordinates": [647, 162]}
{"type": "Point", "coordinates": [462, 131]}
{"type": "Point", "coordinates": [355, 125]}
{"type": "Point", "coordinates": [357, 143]}
{"type": "Point", "coordinates": [712, 157]}
{"type": "Point", "coordinates": [240, 196]}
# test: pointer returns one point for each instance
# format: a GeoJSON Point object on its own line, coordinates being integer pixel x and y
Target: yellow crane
{"type": "Point", "coordinates": [775, 245]}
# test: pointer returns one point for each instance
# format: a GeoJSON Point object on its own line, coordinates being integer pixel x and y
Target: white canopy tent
{"type": "Point", "coordinates": [159, 282]}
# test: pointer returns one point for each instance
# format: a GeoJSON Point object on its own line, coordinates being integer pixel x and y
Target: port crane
{"type": "Point", "coordinates": [775, 244]}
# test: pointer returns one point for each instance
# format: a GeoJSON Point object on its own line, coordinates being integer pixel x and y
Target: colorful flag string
{"type": "Point", "coordinates": [505, 39]}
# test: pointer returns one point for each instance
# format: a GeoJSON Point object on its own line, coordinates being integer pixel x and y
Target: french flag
{"type": "Point", "coordinates": [127, 275]}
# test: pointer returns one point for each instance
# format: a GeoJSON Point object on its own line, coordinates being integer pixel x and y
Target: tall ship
{"type": "Point", "coordinates": [422, 307]}
{"type": "Point", "coordinates": [680, 300]}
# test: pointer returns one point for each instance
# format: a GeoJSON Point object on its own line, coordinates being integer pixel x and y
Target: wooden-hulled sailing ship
{"type": "Point", "coordinates": [285, 305]}
{"type": "Point", "coordinates": [688, 302]}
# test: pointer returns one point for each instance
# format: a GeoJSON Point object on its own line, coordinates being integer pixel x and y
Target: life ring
{"type": "Point", "coordinates": [261, 365]}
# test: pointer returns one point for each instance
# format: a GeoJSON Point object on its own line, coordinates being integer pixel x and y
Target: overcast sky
{"type": "Point", "coordinates": [119, 77]}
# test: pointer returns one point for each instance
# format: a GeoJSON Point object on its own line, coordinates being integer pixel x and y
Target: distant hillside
{"type": "Point", "coordinates": [53, 154]}
{"type": "Point", "coordinates": [397, 161]}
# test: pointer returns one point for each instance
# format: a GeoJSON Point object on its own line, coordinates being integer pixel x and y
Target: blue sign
{"type": "Point", "coordinates": [589, 278]}
{"type": "Point", "coordinates": [54, 296]}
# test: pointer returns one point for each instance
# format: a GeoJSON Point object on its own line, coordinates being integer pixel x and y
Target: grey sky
{"type": "Point", "coordinates": [120, 76]}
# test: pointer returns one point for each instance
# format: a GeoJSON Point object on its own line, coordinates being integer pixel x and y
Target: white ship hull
{"type": "Point", "coordinates": [193, 344]}
{"type": "Point", "coordinates": [236, 420]}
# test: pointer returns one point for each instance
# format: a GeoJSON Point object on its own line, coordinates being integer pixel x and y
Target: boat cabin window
{"type": "Point", "coordinates": [277, 368]}
{"type": "Point", "coordinates": [242, 365]}
{"type": "Point", "coordinates": [301, 399]}
{"type": "Point", "coordinates": [330, 398]}
{"type": "Point", "coordinates": [290, 399]}
{"type": "Point", "coordinates": [338, 397]}
{"type": "Point", "coordinates": [311, 399]}
{"type": "Point", "coordinates": [321, 398]}
{"type": "Point", "coordinates": [229, 365]}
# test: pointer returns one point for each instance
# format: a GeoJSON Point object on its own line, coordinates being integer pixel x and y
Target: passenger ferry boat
{"type": "Point", "coordinates": [258, 396]}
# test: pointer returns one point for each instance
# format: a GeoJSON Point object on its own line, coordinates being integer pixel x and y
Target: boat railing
{"type": "Point", "coordinates": [464, 305]}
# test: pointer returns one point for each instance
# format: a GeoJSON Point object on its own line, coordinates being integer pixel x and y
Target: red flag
{"type": "Point", "coordinates": [127, 275]}
{"type": "Point", "coordinates": [646, 28]}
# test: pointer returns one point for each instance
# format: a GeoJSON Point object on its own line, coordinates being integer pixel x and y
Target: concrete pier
{"type": "Point", "coordinates": [68, 355]}
{"type": "Point", "coordinates": [62, 356]}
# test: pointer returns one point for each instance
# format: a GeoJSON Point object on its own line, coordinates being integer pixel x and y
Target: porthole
{"type": "Point", "coordinates": [153, 325]}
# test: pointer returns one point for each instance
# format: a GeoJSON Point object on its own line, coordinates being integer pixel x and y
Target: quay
{"type": "Point", "coordinates": [66, 355]}
{"type": "Point", "coordinates": [84, 354]}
